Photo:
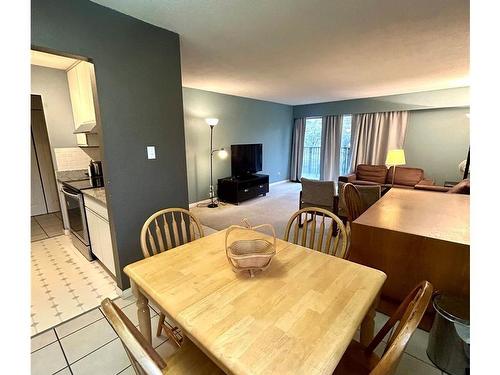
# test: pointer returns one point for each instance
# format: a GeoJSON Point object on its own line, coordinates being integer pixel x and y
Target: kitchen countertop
{"type": "Point", "coordinates": [99, 194]}
{"type": "Point", "coordinates": [75, 175]}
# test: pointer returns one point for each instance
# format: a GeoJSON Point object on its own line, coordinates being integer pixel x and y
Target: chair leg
{"type": "Point", "coordinates": [160, 324]}
{"type": "Point", "coordinates": [173, 333]}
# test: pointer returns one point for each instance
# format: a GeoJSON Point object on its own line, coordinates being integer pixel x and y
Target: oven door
{"type": "Point", "coordinates": [76, 214]}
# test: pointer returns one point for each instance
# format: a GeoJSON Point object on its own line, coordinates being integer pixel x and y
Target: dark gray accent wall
{"type": "Point", "coordinates": [140, 99]}
{"type": "Point", "coordinates": [241, 120]}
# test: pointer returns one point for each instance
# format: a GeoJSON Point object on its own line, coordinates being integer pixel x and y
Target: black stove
{"type": "Point", "coordinates": [89, 183]}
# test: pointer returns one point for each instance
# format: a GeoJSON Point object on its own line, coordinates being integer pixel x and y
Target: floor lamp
{"type": "Point", "coordinates": [395, 158]}
{"type": "Point", "coordinates": [212, 122]}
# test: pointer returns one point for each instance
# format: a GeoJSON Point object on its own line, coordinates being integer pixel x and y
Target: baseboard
{"type": "Point", "coordinates": [194, 204]}
{"type": "Point", "coordinates": [279, 182]}
{"type": "Point", "coordinates": [191, 205]}
{"type": "Point", "coordinates": [126, 293]}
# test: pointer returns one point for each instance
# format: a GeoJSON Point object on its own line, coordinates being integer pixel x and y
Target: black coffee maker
{"type": "Point", "coordinates": [95, 173]}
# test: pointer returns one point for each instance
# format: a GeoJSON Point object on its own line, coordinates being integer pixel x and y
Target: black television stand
{"type": "Point", "coordinates": [238, 189]}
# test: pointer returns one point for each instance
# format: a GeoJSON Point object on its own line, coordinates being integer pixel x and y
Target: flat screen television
{"type": "Point", "coordinates": [246, 159]}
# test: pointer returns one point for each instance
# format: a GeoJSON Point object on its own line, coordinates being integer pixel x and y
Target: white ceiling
{"type": "Point", "coordinates": [306, 51]}
{"type": "Point", "coordinates": [49, 60]}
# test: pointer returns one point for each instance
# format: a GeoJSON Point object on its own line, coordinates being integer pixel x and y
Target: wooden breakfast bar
{"type": "Point", "coordinates": [412, 236]}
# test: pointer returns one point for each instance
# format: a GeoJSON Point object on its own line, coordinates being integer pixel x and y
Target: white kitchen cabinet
{"type": "Point", "coordinates": [100, 239]}
{"type": "Point", "coordinates": [82, 99]}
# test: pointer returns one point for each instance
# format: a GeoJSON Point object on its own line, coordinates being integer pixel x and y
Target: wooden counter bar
{"type": "Point", "coordinates": [412, 236]}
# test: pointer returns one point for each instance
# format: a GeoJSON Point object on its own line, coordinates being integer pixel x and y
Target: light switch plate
{"type": "Point", "coordinates": [151, 151]}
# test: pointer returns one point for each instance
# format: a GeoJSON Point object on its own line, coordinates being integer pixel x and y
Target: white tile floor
{"type": "Point", "coordinates": [87, 345]}
{"type": "Point", "coordinates": [64, 284]}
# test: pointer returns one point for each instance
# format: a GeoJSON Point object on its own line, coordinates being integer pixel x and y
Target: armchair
{"type": "Point", "coordinates": [320, 194]}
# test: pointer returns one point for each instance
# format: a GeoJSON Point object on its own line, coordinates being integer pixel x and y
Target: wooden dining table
{"type": "Point", "coordinates": [298, 316]}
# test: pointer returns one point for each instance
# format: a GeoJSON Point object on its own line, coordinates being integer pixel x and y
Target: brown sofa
{"type": "Point", "coordinates": [463, 187]}
{"type": "Point", "coordinates": [406, 177]}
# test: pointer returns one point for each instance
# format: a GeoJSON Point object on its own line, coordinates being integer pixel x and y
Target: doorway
{"type": "Point", "coordinates": [44, 197]}
{"type": "Point", "coordinates": [46, 220]}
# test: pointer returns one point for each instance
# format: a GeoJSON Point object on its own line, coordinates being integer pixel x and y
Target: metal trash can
{"type": "Point", "coordinates": [449, 339]}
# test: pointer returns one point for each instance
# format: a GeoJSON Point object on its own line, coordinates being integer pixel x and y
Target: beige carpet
{"type": "Point", "coordinates": [275, 208]}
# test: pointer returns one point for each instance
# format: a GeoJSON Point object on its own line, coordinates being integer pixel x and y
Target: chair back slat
{"type": "Point", "coordinates": [296, 232]}
{"type": "Point", "coordinates": [306, 221]}
{"type": "Point", "coordinates": [142, 356]}
{"type": "Point", "coordinates": [312, 236]}
{"type": "Point", "coordinates": [152, 243]}
{"type": "Point", "coordinates": [183, 230]}
{"type": "Point", "coordinates": [161, 245]}
{"type": "Point", "coordinates": [192, 233]}
{"type": "Point", "coordinates": [321, 233]}
{"type": "Point", "coordinates": [175, 230]}
{"type": "Point", "coordinates": [158, 236]}
{"type": "Point", "coordinates": [353, 202]}
{"type": "Point", "coordinates": [336, 241]}
{"type": "Point", "coordinates": [168, 236]}
{"type": "Point", "coordinates": [329, 235]}
{"type": "Point", "coordinates": [409, 314]}
{"type": "Point", "coordinates": [304, 232]}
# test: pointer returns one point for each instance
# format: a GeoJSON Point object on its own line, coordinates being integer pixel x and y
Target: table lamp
{"type": "Point", "coordinates": [394, 158]}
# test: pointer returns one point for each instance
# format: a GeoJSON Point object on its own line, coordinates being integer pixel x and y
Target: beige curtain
{"type": "Point", "coordinates": [299, 131]}
{"type": "Point", "coordinates": [373, 134]}
{"type": "Point", "coordinates": [331, 133]}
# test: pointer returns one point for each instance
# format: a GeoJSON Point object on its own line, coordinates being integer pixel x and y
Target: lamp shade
{"type": "Point", "coordinates": [395, 157]}
{"type": "Point", "coordinates": [212, 121]}
{"type": "Point", "coordinates": [223, 153]}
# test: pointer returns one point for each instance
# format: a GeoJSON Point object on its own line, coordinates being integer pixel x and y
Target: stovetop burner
{"type": "Point", "coordinates": [89, 183]}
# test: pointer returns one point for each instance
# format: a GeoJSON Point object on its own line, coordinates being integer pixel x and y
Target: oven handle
{"type": "Point", "coordinates": [65, 192]}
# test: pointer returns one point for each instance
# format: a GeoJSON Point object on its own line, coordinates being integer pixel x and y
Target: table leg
{"type": "Point", "coordinates": [142, 312]}
{"type": "Point", "coordinates": [367, 329]}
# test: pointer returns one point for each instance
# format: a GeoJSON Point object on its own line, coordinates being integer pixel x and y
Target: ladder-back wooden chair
{"type": "Point", "coordinates": [145, 360]}
{"type": "Point", "coordinates": [322, 231]}
{"type": "Point", "coordinates": [165, 230]}
{"type": "Point", "coordinates": [360, 360]}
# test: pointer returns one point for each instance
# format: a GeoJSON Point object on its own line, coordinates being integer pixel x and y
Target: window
{"type": "Point", "coordinates": [345, 145]}
{"type": "Point", "coordinates": [312, 146]}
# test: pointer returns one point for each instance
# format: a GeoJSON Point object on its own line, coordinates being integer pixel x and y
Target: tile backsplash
{"type": "Point", "coordinates": [71, 158]}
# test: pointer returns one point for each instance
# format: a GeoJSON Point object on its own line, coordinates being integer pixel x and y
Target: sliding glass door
{"type": "Point", "coordinates": [312, 147]}
{"type": "Point", "coordinates": [345, 146]}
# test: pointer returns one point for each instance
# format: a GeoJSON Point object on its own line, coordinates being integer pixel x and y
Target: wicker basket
{"type": "Point", "coordinates": [249, 255]}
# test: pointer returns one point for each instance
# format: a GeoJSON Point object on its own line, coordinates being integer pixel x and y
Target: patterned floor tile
{"type": "Point", "coordinates": [63, 283]}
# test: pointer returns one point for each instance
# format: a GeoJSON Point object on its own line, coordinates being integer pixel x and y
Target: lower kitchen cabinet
{"type": "Point", "coordinates": [100, 239]}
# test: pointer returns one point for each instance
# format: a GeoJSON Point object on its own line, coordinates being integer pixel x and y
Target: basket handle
{"type": "Point", "coordinates": [248, 227]}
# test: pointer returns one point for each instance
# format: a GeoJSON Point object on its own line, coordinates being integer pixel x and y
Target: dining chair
{"type": "Point", "coordinates": [317, 194]}
{"type": "Point", "coordinates": [145, 360]}
{"type": "Point", "coordinates": [369, 195]}
{"type": "Point", "coordinates": [353, 202]}
{"type": "Point", "coordinates": [323, 232]}
{"type": "Point", "coordinates": [164, 230]}
{"type": "Point", "coordinates": [360, 360]}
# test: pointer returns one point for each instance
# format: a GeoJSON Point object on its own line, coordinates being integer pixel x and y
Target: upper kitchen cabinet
{"type": "Point", "coordinates": [82, 102]}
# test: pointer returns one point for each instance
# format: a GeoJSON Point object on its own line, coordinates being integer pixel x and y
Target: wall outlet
{"type": "Point", "coordinates": [151, 151]}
